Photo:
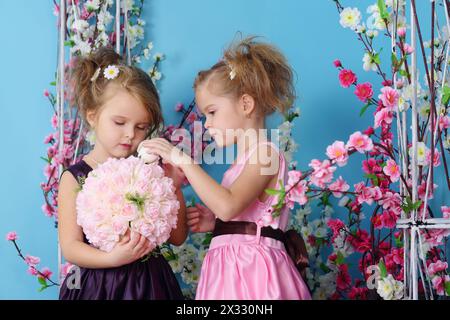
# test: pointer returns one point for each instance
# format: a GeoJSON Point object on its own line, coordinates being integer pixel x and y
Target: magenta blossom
{"type": "Point", "coordinates": [45, 273]}
{"type": "Point", "coordinates": [346, 78]}
{"type": "Point", "coordinates": [337, 63]}
{"type": "Point", "coordinates": [364, 91]}
{"type": "Point", "coordinates": [389, 219]}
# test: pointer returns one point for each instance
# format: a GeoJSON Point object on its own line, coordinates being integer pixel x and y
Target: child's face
{"type": "Point", "coordinates": [223, 115]}
{"type": "Point", "coordinates": [120, 124]}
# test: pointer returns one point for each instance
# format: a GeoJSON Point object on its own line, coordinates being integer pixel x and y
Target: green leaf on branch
{"type": "Point", "coordinates": [447, 288]}
{"type": "Point", "coordinates": [319, 241]}
{"type": "Point", "coordinates": [324, 199]}
{"type": "Point", "coordinates": [417, 205]}
{"type": "Point", "coordinates": [42, 281]}
{"type": "Point", "coordinates": [207, 240]}
{"type": "Point", "coordinates": [42, 288]}
{"type": "Point", "coordinates": [403, 73]}
{"type": "Point", "coordinates": [382, 9]}
{"type": "Point", "coordinates": [398, 243]}
{"type": "Point", "coordinates": [339, 259]}
{"type": "Point", "coordinates": [280, 182]}
{"type": "Point", "coordinates": [45, 159]}
{"type": "Point", "coordinates": [273, 192]}
{"type": "Point", "coordinates": [383, 271]}
{"type": "Point", "coordinates": [376, 57]}
{"type": "Point", "coordinates": [135, 10]}
{"type": "Point", "coordinates": [373, 177]}
{"type": "Point", "coordinates": [324, 268]}
{"type": "Point", "coordinates": [394, 60]}
{"type": "Point", "coordinates": [409, 206]}
{"type": "Point", "coordinates": [69, 43]}
{"type": "Point", "coordinates": [53, 83]}
{"type": "Point", "coordinates": [363, 110]}
{"type": "Point", "coordinates": [445, 95]}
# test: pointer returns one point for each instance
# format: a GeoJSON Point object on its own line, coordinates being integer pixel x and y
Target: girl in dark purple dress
{"type": "Point", "coordinates": [121, 105]}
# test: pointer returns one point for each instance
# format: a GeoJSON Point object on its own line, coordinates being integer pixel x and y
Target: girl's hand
{"type": "Point", "coordinates": [175, 173]}
{"type": "Point", "coordinates": [131, 247]}
{"type": "Point", "coordinates": [200, 218]}
{"type": "Point", "coordinates": [166, 150]}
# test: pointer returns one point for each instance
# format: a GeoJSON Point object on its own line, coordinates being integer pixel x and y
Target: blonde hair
{"type": "Point", "coordinates": [88, 86]}
{"type": "Point", "coordinates": [254, 68]}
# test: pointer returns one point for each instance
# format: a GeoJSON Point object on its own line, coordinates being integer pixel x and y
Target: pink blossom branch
{"type": "Point", "coordinates": [33, 267]}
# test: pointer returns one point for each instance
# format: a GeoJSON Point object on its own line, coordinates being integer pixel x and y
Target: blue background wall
{"type": "Point", "coordinates": [192, 35]}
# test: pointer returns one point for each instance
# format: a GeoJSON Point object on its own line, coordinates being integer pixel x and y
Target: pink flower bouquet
{"type": "Point", "coordinates": [126, 193]}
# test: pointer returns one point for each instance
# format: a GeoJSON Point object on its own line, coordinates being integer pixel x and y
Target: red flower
{"type": "Point", "coordinates": [311, 240]}
{"type": "Point", "coordinates": [377, 221]}
{"type": "Point", "coordinates": [369, 131]}
{"type": "Point", "coordinates": [332, 257]}
{"type": "Point", "coordinates": [364, 91]}
{"type": "Point", "coordinates": [371, 166]}
{"type": "Point", "coordinates": [343, 279]}
{"type": "Point", "coordinates": [360, 241]}
{"type": "Point", "coordinates": [335, 225]}
{"type": "Point", "coordinates": [337, 63]}
{"type": "Point", "coordinates": [389, 219]}
{"type": "Point", "coordinates": [358, 293]}
{"type": "Point", "coordinates": [346, 78]}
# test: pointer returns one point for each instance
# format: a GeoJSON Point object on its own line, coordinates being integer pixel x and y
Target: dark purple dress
{"type": "Point", "coordinates": [152, 279]}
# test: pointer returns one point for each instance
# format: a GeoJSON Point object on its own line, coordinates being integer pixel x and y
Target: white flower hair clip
{"type": "Point", "coordinates": [232, 73]}
{"type": "Point", "coordinates": [111, 72]}
{"type": "Point", "coordinates": [96, 74]}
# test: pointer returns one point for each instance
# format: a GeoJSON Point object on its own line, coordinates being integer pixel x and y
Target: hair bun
{"type": "Point", "coordinates": [105, 56]}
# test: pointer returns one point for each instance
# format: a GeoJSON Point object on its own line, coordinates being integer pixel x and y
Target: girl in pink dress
{"type": "Point", "coordinates": [248, 257]}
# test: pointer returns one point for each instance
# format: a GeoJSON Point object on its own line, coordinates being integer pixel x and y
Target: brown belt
{"type": "Point", "coordinates": [295, 246]}
{"type": "Point", "coordinates": [246, 227]}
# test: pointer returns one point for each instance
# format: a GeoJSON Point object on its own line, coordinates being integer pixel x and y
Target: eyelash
{"type": "Point", "coordinates": [122, 123]}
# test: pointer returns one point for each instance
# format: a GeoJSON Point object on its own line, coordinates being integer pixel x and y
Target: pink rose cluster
{"type": "Point", "coordinates": [126, 193]}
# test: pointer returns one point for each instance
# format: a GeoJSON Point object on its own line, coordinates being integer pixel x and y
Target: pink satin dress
{"type": "Point", "coordinates": [251, 267]}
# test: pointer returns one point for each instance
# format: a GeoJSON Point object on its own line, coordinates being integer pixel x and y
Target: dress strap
{"type": "Point", "coordinates": [79, 170]}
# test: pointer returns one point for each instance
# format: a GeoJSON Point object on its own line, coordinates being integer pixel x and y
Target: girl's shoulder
{"type": "Point", "coordinates": [264, 152]}
{"type": "Point", "coordinates": [265, 155]}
